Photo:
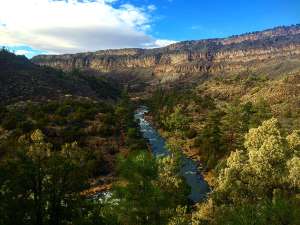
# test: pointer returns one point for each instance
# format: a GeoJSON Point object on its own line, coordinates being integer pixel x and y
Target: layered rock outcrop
{"type": "Point", "coordinates": [235, 54]}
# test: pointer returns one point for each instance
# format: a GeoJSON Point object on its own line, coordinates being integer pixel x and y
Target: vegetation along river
{"type": "Point", "coordinates": [189, 170]}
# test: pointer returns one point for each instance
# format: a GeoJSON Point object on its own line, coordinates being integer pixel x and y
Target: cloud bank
{"type": "Point", "coordinates": [70, 26]}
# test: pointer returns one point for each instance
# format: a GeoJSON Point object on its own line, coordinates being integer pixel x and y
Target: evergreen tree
{"type": "Point", "coordinates": [148, 191]}
{"type": "Point", "coordinates": [176, 121]}
{"type": "Point", "coordinates": [41, 186]}
{"type": "Point", "coordinates": [139, 198]}
{"type": "Point", "coordinates": [233, 127]}
{"type": "Point", "coordinates": [210, 140]}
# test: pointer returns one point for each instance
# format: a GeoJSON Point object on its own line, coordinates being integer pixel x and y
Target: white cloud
{"type": "Point", "coordinates": [162, 42]}
{"type": "Point", "coordinates": [22, 52]}
{"type": "Point", "coordinates": [73, 26]}
{"type": "Point", "coordinates": [151, 8]}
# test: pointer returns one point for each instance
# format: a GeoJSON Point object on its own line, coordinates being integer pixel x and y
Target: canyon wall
{"type": "Point", "coordinates": [235, 54]}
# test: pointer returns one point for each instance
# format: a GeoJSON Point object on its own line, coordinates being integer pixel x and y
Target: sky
{"type": "Point", "coordinates": [32, 27]}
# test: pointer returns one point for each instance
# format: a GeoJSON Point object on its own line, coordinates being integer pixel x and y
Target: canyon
{"type": "Point", "coordinates": [269, 52]}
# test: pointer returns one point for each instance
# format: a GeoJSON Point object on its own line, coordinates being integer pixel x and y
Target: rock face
{"type": "Point", "coordinates": [251, 51]}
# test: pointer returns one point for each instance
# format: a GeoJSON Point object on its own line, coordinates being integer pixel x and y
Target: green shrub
{"type": "Point", "coordinates": [191, 133]}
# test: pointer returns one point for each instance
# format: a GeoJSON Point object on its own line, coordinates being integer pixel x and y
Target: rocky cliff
{"type": "Point", "coordinates": [263, 51]}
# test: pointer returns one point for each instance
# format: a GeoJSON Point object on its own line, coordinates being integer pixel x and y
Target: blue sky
{"type": "Point", "coordinates": [197, 19]}
{"type": "Point", "coordinates": [58, 26]}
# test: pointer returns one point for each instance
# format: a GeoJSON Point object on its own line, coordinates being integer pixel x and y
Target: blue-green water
{"type": "Point", "coordinates": [189, 170]}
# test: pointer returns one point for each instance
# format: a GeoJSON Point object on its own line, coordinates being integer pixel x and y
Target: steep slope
{"type": "Point", "coordinates": [266, 52]}
{"type": "Point", "coordinates": [20, 79]}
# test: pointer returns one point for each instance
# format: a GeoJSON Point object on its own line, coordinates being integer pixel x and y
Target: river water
{"type": "Point", "coordinates": [189, 170]}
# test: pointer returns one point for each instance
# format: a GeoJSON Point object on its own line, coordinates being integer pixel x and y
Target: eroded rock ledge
{"type": "Point", "coordinates": [214, 56]}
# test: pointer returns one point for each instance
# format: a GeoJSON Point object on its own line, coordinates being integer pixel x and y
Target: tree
{"type": "Point", "coordinates": [261, 112]}
{"type": "Point", "coordinates": [43, 186]}
{"type": "Point", "coordinates": [67, 176]}
{"type": "Point", "coordinates": [293, 140]}
{"type": "Point", "coordinates": [176, 121]}
{"type": "Point", "coordinates": [180, 217]}
{"type": "Point", "coordinates": [139, 198]}
{"type": "Point", "coordinates": [293, 166]}
{"type": "Point", "coordinates": [148, 191]}
{"type": "Point", "coordinates": [259, 183]}
{"type": "Point", "coordinates": [38, 152]}
{"type": "Point", "coordinates": [124, 111]}
{"type": "Point", "coordinates": [233, 127]}
{"type": "Point", "coordinates": [281, 211]}
{"type": "Point", "coordinates": [247, 114]}
{"type": "Point", "coordinates": [210, 139]}
{"type": "Point", "coordinates": [173, 185]}
{"type": "Point", "coordinates": [259, 170]}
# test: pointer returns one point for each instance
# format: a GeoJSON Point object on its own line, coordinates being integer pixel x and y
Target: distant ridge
{"type": "Point", "coordinates": [259, 51]}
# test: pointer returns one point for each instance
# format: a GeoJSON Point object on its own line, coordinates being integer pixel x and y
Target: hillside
{"type": "Point", "coordinates": [218, 145]}
{"type": "Point", "coordinates": [271, 52]}
{"type": "Point", "coordinates": [20, 79]}
{"type": "Point", "coordinates": [70, 107]}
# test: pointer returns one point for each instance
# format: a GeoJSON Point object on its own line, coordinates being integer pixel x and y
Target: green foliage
{"type": "Point", "coordinates": [180, 217]}
{"type": "Point", "coordinates": [234, 124]}
{"type": "Point", "coordinates": [67, 113]}
{"type": "Point", "coordinates": [163, 103]}
{"type": "Point", "coordinates": [42, 186]}
{"type": "Point", "coordinates": [139, 198]}
{"type": "Point", "coordinates": [100, 128]}
{"type": "Point", "coordinates": [216, 129]}
{"type": "Point", "coordinates": [176, 121]}
{"type": "Point", "coordinates": [260, 111]}
{"type": "Point", "coordinates": [8, 58]}
{"type": "Point", "coordinates": [174, 186]}
{"type": "Point", "coordinates": [224, 130]}
{"type": "Point", "coordinates": [21, 79]}
{"type": "Point", "coordinates": [261, 169]}
{"type": "Point", "coordinates": [102, 86]}
{"type": "Point", "coordinates": [191, 133]}
{"type": "Point", "coordinates": [278, 212]}
{"type": "Point", "coordinates": [143, 194]}
{"type": "Point", "coordinates": [259, 184]}
{"type": "Point", "coordinates": [125, 111]}
{"type": "Point", "coordinates": [210, 139]}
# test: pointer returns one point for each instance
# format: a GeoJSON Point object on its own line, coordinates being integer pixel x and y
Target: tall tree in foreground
{"type": "Point", "coordinates": [41, 186]}
{"type": "Point", "coordinates": [258, 184]}
{"type": "Point", "coordinates": [139, 198]}
{"type": "Point", "coordinates": [143, 194]}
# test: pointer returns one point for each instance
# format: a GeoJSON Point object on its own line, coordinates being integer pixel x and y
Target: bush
{"type": "Point", "coordinates": [132, 133]}
{"type": "Point", "coordinates": [105, 130]}
{"type": "Point", "coordinates": [191, 133]}
{"type": "Point", "coordinates": [26, 126]}
{"type": "Point", "coordinates": [278, 212]}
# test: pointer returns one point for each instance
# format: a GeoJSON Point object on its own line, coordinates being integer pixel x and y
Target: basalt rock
{"type": "Point", "coordinates": [251, 51]}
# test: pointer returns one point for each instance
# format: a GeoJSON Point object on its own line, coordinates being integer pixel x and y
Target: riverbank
{"type": "Point", "coordinates": [155, 137]}
{"type": "Point", "coordinates": [99, 185]}
{"type": "Point", "coordinates": [190, 169]}
{"type": "Point", "coordinates": [188, 150]}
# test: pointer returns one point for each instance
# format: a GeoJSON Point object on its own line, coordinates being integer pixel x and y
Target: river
{"type": "Point", "coordinates": [189, 170]}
